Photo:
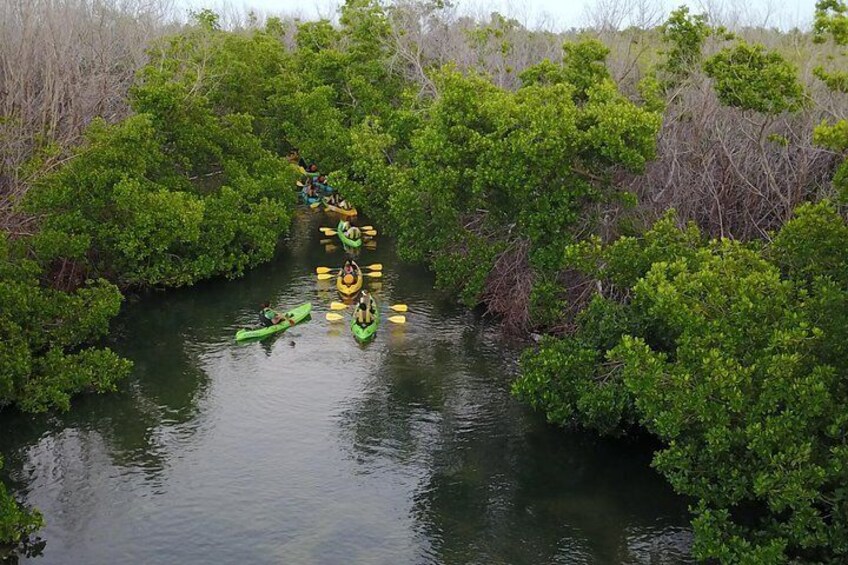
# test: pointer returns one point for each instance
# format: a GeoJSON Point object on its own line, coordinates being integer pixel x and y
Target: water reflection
{"type": "Point", "coordinates": [497, 486]}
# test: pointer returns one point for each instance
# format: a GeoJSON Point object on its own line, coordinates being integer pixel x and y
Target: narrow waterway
{"type": "Point", "coordinates": [309, 448]}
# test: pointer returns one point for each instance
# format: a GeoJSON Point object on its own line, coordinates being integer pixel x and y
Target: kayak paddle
{"type": "Point", "coordinates": [338, 306]}
{"type": "Point", "coordinates": [397, 319]}
{"type": "Point", "coordinates": [334, 317]}
{"type": "Point", "coordinates": [399, 307]}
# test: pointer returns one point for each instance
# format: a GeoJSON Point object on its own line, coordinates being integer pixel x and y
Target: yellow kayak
{"type": "Point", "coordinates": [349, 290]}
{"type": "Point", "coordinates": [341, 211]}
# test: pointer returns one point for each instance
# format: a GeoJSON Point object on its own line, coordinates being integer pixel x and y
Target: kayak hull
{"type": "Point", "coordinates": [349, 290]}
{"type": "Point", "coordinates": [365, 334]}
{"type": "Point", "coordinates": [340, 211]}
{"type": "Point", "coordinates": [299, 314]}
{"type": "Point", "coordinates": [355, 243]}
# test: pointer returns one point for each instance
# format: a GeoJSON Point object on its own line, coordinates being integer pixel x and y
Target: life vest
{"type": "Point", "coordinates": [266, 317]}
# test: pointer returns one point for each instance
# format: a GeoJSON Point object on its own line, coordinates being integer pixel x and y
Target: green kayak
{"type": "Point", "coordinates": [298, 314]}
{"type": "Point", "coordinates": [345, 239]}
{"type": "Point", "coordinates": [364, 334]}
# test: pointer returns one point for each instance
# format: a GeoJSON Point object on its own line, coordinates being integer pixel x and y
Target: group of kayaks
{"type": "Point", "coordinates": [346, 287]}
{"type": "Point", "coordinates": [323, 194]}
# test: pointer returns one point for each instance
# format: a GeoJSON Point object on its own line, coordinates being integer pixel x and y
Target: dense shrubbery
{"type": "Point", "coordinates": [504, 172]}
{"type": "Point", "coordinates": [734, 355]}
{"type": "Point", "coordinates": [43, 329]}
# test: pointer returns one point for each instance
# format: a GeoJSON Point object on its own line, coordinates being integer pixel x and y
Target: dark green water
{"type": "Point", "coordinates": [308, 448]}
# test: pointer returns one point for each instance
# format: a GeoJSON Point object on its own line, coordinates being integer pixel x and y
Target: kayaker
{"type": "Point", "coordinates": [345, 225]}
{"type": "Point", "coordinates": [349, 272]}
{"type": "Point", "coordinates": [268, 317]}
{"type": "Point", "coordinates": [311, 191]}
{"type": "Point", "coordinates": [365, 310]}
{"type": "Point", "coordinates": [353, 233]}
{"type": "Point", "coordinates": [336, 200]}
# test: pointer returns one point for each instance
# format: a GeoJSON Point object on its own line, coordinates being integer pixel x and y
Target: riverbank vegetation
{"type": "Point", "coordinates": [661, 194]}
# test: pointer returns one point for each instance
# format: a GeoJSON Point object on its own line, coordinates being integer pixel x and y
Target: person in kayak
{"type": "Point", "coordinates": [353, 233]}
{"type": "Point", "coordinates": [321, 182]}
{"type": "Point", "coordinates": [365, 310]}
{"type": "Point", "coordinates": [310, 190]}
{"type": "Point", "coordinates": [350, 272]}
{"type": "Point", "coordinates": [268, 317]}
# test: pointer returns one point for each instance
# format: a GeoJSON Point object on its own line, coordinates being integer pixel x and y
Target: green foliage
{"type": "Point", "coordinates": [685, 35]}
{"type": "Point", "coordinates": [652, 94]}
{"type": "Point", "coordinates": [43, 330]}
{"type": "Point", "coordinates": [17, 524]}
{"type": "Point", "coordinates": [734, 357]}
{"type": "Point", "coordinates": [487, 166]}
{"type": "Point", "coordinates": [813, 244]}
{"type": "Point", "coordinates": [835, 80]}
{"type": "Point", "coordinates": [831, 20]}
{"type": "Point", "coordinates": [571, 380]}
{"type": "Point", "coordinates": [750, 78]}
{"type": "Point", "coordinates": [184, 189]}
{"type": "Point", "coordinates": [584, 66]}
{"type": "Point", "coordinates": [835, 137]}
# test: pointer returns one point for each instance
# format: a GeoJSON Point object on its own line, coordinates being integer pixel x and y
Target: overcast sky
{"type": "Point", "coordinates": [556, 14]}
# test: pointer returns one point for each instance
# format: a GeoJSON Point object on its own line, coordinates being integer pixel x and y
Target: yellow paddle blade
{"type": "Point", "coordinates": [325, 276]}
{"type": "Point", "coordinates": [322, 270]}
{"type": "Point", "coordinates": [337, 306]}
{"type": "Point", "coordinates": [399, 307]}
{"type": "Point", "coordinates": [336, 317]}
{"type": "Point", "coordinates": [300, 184]}
{"type": "Point", "coordinates": [315, 204]}
{"type": "Point", "coordinates": [375, 275]}
{"type": "Point", "coordinates": [370, 233]}
{"type": "Point", "coordinates": [367, 228]}
{"type": "Point", "coordinates": [374, 267]}
{"type": "Point", "coordinates": [396, 319]}
{"type": "Point", "coordinates": [327, 231]}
